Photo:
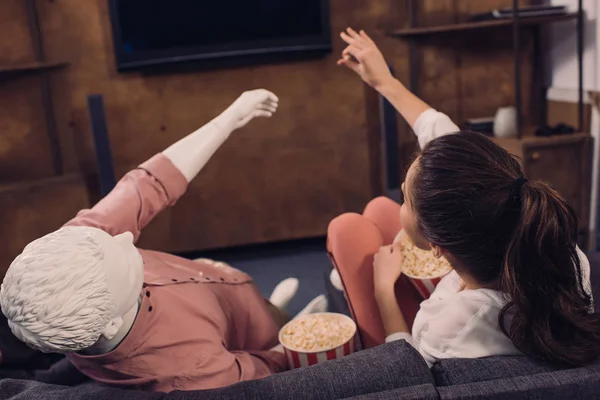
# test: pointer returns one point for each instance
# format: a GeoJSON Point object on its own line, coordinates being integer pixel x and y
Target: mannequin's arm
{"type": "Point", "coordinates": [224, 368]}
{"type": "Point", "coordinates": [158, 183]}
{"type": "Point", "coordinates": [218, 366]}
{"type": "Point", "coordinates": [190, 154]}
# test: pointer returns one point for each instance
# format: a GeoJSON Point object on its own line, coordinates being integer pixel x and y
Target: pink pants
{"type": "Point", "coordinates": [352, 239]}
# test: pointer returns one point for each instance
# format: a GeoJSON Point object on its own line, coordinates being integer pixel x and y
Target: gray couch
{"type": "Point", "coordinates": [391, 371]}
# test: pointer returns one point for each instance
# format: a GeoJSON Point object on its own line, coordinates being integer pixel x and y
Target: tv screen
{"type": "Point", "coordinates": [158, 32]}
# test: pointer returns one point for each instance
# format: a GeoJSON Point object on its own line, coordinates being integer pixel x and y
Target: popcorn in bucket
{"type": "Point", "coordinates": [421, 267]}
{"type": "Point", "coordinates": [315, 338]}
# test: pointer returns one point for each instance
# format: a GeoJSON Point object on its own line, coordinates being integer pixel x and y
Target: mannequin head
{"type": "Point", "coordinates": [70, 288]}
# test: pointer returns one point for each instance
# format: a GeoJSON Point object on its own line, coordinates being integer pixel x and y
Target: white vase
{"type": "Point", "coordinates": [505, 122]}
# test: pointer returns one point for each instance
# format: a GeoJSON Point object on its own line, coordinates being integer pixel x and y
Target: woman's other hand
{"type": "Point", "coordinates": [387, 268]}
{"type": "Point", "coordinates": [364, 57]}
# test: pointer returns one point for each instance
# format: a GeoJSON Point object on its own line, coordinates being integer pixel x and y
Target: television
{"type": "Point", "coordinates": [159, 33]}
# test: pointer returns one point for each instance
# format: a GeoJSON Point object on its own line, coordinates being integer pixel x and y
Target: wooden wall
{"type": "Point", "coordinates": [276, 179]}
{"type": "Point", "coordinates": [468, 74]}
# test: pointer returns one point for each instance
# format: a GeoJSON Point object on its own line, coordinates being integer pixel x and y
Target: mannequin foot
{"type": "Point", "coordinates": [284, 292]}
{"type": "Point", "coordinates": [317, 305]}
{"type": "Point", "coordinates": [336, 281]}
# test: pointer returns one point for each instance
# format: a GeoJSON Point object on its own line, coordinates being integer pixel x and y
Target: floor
{"type": "Point", "coordinates": [269, 264]}
{"type": "Point", "coordinates": [308, 261]}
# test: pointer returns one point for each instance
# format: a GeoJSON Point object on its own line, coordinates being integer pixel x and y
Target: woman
{"type": "Point", "coordinates": [520, 284]}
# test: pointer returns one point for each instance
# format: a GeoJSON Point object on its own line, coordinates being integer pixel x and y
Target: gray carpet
{"type": "Point", "coordinates": [307, 260]}
{"type": "Point", "coordinates": [269, 264]}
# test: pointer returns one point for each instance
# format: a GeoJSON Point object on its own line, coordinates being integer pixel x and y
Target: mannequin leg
{"type": "Point", "coordinates": [317, 305]}
{"type": "Point", "coordinates": [351, 241]}
{"type": "Point", "coordinates": [284, 292]}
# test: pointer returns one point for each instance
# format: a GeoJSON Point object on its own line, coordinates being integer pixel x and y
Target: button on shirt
{"type": "Point", "coordinates": [201, 324]}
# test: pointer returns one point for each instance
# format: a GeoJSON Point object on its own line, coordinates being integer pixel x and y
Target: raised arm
{"type": "Point", "coordinates": [363, 57]}
{"type": "Point", "coordinates": [191, 153]}
{"type": "Point", "coordinates": [158, 183]}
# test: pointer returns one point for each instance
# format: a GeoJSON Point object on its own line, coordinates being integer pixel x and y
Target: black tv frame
{"type": "Point", "coordinates": [208, 56]}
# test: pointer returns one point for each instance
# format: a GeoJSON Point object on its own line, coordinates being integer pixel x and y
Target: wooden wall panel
{"type": "Point", "coordinates": [16, 45]}
{"type": "Point", "coordinates": [487, 75]}
{"type": "Point", "coordinates": [32, 210]}
{"type": "Point", "coordinates": [469, 75]}
{"type": "Point", "coordinates": [24, 148]}
{"type": "Point", "coordinates": [464, 75]}
{"type": "Point", "coordinates": [276, 179]}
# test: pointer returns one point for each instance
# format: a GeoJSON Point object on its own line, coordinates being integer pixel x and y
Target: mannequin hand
{"type": "Point", "coordinates": [363, 57]}
{"type": "Point", "coordinates": [387, 268]}
{"type": "Point", "coordinates": [251, 104]}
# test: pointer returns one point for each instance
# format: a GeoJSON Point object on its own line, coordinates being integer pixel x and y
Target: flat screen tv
{"type": "Point", "coordinates": [151, 33]}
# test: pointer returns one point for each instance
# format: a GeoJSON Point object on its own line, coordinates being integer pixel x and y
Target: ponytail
{"type": "Point", "coordinates": [549, 314]}
{"type": "Point", "coordinates": [512, 235]}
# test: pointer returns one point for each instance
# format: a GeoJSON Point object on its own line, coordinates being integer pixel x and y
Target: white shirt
{"type": "Point", "coordinates": [453, 324]}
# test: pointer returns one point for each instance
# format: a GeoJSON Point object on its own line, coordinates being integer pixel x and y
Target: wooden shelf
{"type": "Point", "coordinates": [468, 26]}
{"type": "Point", "coordinates": [30, 67]}
{"type": "Point", "coordinates": [518, 146]}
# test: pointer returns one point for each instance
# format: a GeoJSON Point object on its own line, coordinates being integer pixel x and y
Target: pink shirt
{"type": "Point", "coordinates": [200, 325]}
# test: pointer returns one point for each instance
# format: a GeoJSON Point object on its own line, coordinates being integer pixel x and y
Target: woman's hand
{"type": "Point", "coordinates": [387, 268]}
{"type": "Point", "coordinates": [363, 57]}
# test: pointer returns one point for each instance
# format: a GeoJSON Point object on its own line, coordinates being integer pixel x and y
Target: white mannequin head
{"type": "Point", "coordinates": [70, 288]}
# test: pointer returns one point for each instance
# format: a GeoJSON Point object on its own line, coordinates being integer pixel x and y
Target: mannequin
{"type": "Point", "coordinates": [141, 319]}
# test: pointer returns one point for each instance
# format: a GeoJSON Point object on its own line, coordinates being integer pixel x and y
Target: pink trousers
{"type": "Point", "coordinates": [352, 240]}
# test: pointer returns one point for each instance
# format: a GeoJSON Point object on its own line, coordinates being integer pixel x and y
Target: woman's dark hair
{"type": "Point", "coordinates": [514, 235]}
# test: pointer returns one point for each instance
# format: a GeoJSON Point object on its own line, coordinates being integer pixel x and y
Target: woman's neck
{"type": "Point", "coordinates": [469, 282]}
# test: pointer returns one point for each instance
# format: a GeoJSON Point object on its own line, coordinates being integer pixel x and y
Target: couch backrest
{"type": "Point", "coordinates": [513, 377]}
{"type": "Point", "coordinates": [462, 371]}
{"type": "Point", "coordinates": [387, 367]}
{"type": "Point", "coordinates": [581, 383]}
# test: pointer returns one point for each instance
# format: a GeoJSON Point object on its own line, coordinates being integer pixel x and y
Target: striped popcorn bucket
{"type": "Point", "coordinates": [298, 358]}
{"type": "Point", "coordinates": [425, 286]}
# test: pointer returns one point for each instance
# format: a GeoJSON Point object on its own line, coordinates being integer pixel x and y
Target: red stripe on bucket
{"type": "Point", "coordinates": [347, 348]}
{"type": "Point", "coordinates": [331, 355]}
{"type": "Point", "coordinates": [296, 359]}
{"type": "Point", "coordinates": [421, 288]}
{"type": "Point", "coordinates": [312, 358]}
